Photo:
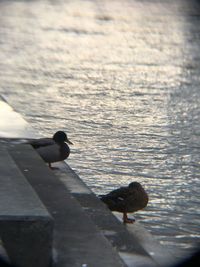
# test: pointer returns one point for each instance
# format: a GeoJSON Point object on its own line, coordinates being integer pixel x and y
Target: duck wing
{"type": "Point", "coordinates": [41, 142]}
{"type": "Point", "coordinates": [54, 153]}
{"type": "Point", "coordinates": [118, 193]}
{"type": "Point", "coordinates": [49, 153]}
{"type": "Point", "coordinates": [116, 199]}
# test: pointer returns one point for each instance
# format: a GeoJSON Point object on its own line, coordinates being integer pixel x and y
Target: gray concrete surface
{"type": "Point", "coordinates": [77, 241]}
{"type": "Point", "coordinates": [26, 227]}
{"type": "Point", "coordinates": [12, 125]}
{"type": "Point", "coordinates": [128, 239]}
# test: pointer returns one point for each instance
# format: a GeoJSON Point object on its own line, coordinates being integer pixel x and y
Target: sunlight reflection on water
{"type": "Point", "coordinates": [123, 81]}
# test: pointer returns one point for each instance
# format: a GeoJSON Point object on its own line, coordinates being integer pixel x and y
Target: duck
{"type": "Point", "coordinates": [53, 149]}
{"type": "Point", "coordinates": [127, 199]}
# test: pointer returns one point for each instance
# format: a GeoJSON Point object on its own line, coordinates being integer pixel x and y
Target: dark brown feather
{"type": "Point", "coordinates": [126, 199]}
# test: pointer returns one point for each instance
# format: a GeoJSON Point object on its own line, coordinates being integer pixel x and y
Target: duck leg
{"type": "Point", "coordinates": [52, 168]}
{"type": "Point", "coordinates": [126, 219]}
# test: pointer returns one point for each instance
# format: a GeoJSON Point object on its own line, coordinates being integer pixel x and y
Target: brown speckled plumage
{"type": "Point", "coordinates": [126, 199]}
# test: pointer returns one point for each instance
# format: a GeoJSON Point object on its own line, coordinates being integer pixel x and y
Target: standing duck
{"type": "Point", "coordinates": [52, 149]}
{"type": "Point", "coordinates": [126, 200]}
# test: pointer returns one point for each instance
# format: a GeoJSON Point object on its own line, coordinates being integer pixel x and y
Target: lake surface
{"type": "Point", "coordinates": [122, 78]}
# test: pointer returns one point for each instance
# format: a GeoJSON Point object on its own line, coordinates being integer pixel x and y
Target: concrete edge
{"type": "Point", "coordinates": [156, 251]}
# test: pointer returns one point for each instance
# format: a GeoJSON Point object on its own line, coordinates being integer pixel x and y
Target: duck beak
{"type": "Point", "coordinates": [69, 142]}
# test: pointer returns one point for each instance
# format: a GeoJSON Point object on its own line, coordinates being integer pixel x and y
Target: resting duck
{"type": "Point", "coordinates": [52, 149]}
{"type": "Point", "coordinates": [126, 199]}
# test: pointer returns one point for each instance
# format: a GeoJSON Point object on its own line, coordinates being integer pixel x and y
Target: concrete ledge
{"type": "Point", "coordinates": [133, 242]}
{"type": "Point", "coordinates": [26, 228]}
{"type": "Point", "coordinates": [84, 228]}
{"type": "Point", "coordinates": [12, 125]}
{"type": "Point", "coordinates": [76, 241]}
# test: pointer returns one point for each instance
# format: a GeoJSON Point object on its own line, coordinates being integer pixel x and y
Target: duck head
{"type": "Point", "coordinates": [60, 137]}
{"type": "Point", "coordinates": [135, 185]}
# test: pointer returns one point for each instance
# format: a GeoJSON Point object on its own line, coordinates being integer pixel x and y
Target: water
{"type": "Point", "coordinates": [122, 78]}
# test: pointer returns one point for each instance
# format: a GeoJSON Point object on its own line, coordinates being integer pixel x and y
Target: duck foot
{"type": "Point", "coordinates": [126, 219]}
{"type": "Point", "coordinates": [54, 168]}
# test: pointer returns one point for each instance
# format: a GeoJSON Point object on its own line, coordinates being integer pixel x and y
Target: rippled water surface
{"type": "Point", "coordinates": [123, 79]}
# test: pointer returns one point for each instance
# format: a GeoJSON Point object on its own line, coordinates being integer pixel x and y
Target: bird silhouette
{"type": "Point", "coordinates": [52, 149]}
{"type": "Point", "coordinates": [126, 200]}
